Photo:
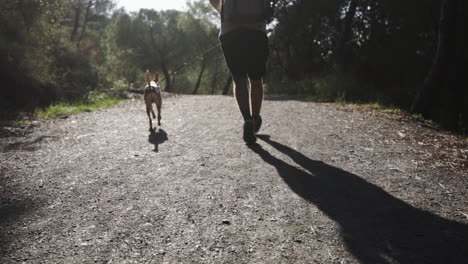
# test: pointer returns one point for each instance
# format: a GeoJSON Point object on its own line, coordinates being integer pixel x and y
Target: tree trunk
{"type": "Point", "coordinates": [25, 10]}
{"type": "Point", "coordinates": [85, 21]}
{"type": "Point", "coordinates": [76, 22]}
{"type": "Point", "coordinates": [227, 85]}
{"type": "Point", "coordinates": [462, 61]}
{"type": "Point", "coordinates": [167, 77]}
{"type": "Point", "coordinates": [435, 98]}
{"type": "Point", "coordinates": [200, 75]}
{"type": "Point", "coordinates": [342, 49]}
{"type": "Point", "coordinates": [214, 80]}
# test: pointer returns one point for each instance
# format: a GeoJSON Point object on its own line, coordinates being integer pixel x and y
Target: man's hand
{"type": "Point", "coordinates": [216, 4]}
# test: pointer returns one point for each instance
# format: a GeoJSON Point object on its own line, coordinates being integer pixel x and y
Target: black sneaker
{"type": "Point", "coordinates": [258, 122]}
{"type": "Point", "coordinates": [249, 132]}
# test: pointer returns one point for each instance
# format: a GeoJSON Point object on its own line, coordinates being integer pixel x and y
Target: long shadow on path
{"type": "Point", "coordinates": [376, 227]}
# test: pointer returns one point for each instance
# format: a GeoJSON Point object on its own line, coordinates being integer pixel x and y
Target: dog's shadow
{"type": "Point", "coordinates": [157, 138]}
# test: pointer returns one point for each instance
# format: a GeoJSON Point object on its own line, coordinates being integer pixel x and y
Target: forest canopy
{"type": "Point", "coordinates": [408, 54]}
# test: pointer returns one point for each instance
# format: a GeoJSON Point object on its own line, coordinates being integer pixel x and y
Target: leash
{"type": "Point", "coordinates": [190, 61]}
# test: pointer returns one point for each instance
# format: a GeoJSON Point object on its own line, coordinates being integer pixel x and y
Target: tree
{"type": "Point", "coordinates": [28, 36]}
{"type": "Point", "coordinates": [94, 10]}
{"type": "Point", "coordinates": [152, 40]}
{"type": "Point", "coordinates": [227, 85]}
{"type": "Point", "coordinates": [201, 30]}
{"type": "Point", "coordinates": [77, 8]}
{"type": "Point", "coordinates": [304, 37]}
{"type": "Point", "coordinates": [342, 50]}
{"type": "Point", "coordinates": [85, 20]}
{"type": "Point", "coordinates": [440, 80]}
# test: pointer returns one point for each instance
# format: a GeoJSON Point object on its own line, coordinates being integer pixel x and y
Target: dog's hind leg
{"type": "Point", "coordinates": [148, 110]}
{"type": "Point", "coordinates": [152, 111]}
{"type": "Point", "coordinates": [158, 106]}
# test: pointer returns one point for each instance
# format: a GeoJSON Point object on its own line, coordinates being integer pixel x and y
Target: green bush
{"type": "Point", "coordinates": [329, 88]}
{"type": "Point", "coordinates": [93, 101]}
{"type": "Point", "coordinates": [120, 85]}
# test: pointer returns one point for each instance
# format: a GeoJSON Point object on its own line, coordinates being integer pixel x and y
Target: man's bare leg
{"type": "Point", "coordinates": [241, 91]}
{"type": "Point", "coordinates": [256, 98]}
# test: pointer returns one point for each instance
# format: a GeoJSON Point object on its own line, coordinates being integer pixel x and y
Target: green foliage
{"type": "Point", "coordinates": [385, 47]}
{"type": "Point", "coordinates": [20, 123]}
{"type": "Point", "coordinates": [421, 118]}
{"type": "Point", "coordinates": [333, 87]}
{"type": "Point", "coordinates": [92, 102]}
{"type": "Point", "coordinates": [54, 51]}
{"type": "Point", "coordinates": [120, 85]}
{"type": "Point", "coordinates": [384, 108]}
{"type": "Point", "coordinates": [26, 45]}
{"type": "Point", "coordinates": [162, 41]}
{"type": "Point", "coordinates": [329, 88]}
{"type": "Point", "coordinates": [41, 64]}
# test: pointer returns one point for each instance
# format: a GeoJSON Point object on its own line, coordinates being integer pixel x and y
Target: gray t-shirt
{"type": "Point", "coordinates": [228, 26]}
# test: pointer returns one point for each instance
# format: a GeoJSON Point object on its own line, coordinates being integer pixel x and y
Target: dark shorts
{"type": "Point", "coordinates": [245, 52]}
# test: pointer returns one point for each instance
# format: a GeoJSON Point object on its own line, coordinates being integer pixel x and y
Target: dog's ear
{"type": "Point", "coordinates": [147, 76]}
{"type": "Point", "coordinates": [156, 78]}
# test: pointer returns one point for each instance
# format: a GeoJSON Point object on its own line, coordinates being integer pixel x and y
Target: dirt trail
{"type": "Point", "coordinates": [323, 185]}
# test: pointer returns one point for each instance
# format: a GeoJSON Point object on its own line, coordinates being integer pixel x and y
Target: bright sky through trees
{"type": "Point", "coordinates": [135, 5]}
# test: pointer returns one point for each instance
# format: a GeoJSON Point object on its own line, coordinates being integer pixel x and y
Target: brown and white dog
{"type": "Point", "coordinates": [152, 95]}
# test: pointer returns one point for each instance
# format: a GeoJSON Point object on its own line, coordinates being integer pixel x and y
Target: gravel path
{"type": "Point", "coordinates": [324, 184]}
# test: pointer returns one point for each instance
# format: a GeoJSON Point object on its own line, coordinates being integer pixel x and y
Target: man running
{"type": "Point", "coordinates": [245, 46]}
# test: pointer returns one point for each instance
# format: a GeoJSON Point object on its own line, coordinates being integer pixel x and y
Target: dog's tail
{"type": "Point", "coordinates": [147, 78]}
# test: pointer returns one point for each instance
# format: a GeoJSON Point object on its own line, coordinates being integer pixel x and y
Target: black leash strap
{"type": "Point", "coordinates": [190, 61]}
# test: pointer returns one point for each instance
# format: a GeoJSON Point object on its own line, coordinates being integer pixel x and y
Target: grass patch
{"type": "Point", "coordinates": [384, 108]}
{"type": "Point", "coordinates": [420, 118]}
{"type": "Point", "coordinates": [92, 102]}
{"type": "Point", "coordinates": [20, 123]}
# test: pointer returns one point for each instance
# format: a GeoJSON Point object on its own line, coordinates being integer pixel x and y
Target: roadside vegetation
{"type": "Point", "coordinates": [94, 101]}
{"type": "Point", "coordinates": [409, 56]}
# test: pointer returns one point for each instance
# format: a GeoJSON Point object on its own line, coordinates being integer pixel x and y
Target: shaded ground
{"type": "Point", "coordinates": [324, 184]}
